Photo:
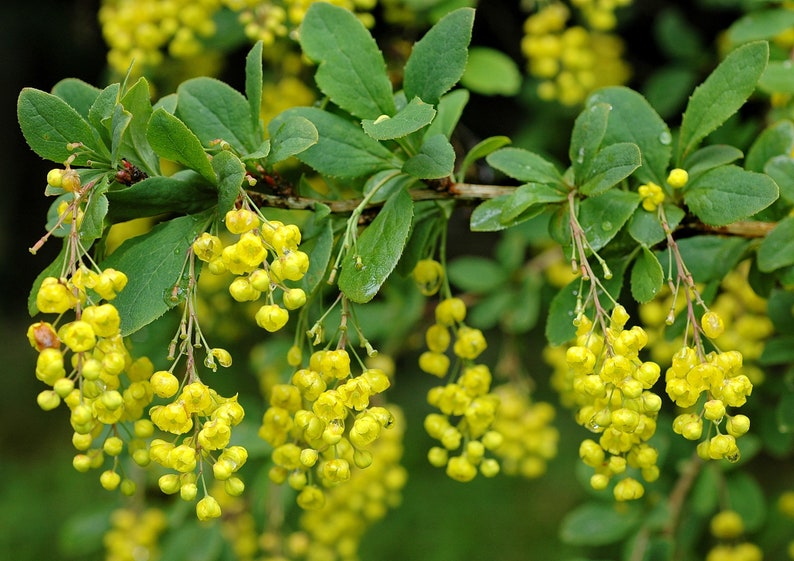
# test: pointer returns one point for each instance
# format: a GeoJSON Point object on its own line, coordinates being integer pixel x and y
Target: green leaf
{"type": "Point", "coordinates": [194, 542]}
{"type": "Point", "coordinates": [476, 274]}
{"type": "Point", "coordinates": [632, 119]}
{"type": "Point", "coordinates": [598, 523]}
{"type": "Point", "coordinates": [93, 224]}
{"type": "Point", "coordinates": [778, 77]}
{"type": "Point", "coordinates": [729, 193]}
{"type": "Point", "coordinates": [438, 60]}
{"type": "Point", "coordinates": [603, 216]}
{"type": "Point", "coordinates": [320, 248]}
{"type": "Point", "coordinates": [721, 95]}
{"type": "Point", "coordinates": [491, 72]}
{"type": "Point", "coordinates": [290, 137]}
{"type": "Point", "coordinates": [411, 118]}
{"type": "Point", "coordinates": [611, 165]}
{"type": "Point", "coordinates": [78, 94]}
{"type": "Point", "coordinates": [118, 127]}
{"type": "Point", "coordinates": [135, 147]}
{"type": "Point", "coordinates": [646, 228]}
{"type": "Point", "coordinates": [343, 150]}
{"type": "Point", "coordinates": [781, 170]}
{"type": "Point", "coordinates": [351, 70]}
{"type": "Point", "coordinates": [777, 249]}
{"type": "Point", "coordinates": [775, 140]}
{"type": "Point", "coordinates": [491, 309]}
{"type": "Point", "coordinates": [377, 250]}
{"type": "Point", "coordinates": [449, 110]}
{"type": "Point", "coordinates": [588, 132]}
{"type": "Point", "coordinates": [709, 258]}
{"type": "Point", "coordinates": [214, 110]}
{"type": "Point", "coordinates": [705, 492]}
{"type": "Point", "coordinates": [481, 150]}
{"type": "Point", "coordinates": [231, 174]}
{"type": "Point", "coordinates": [785, 407]}
{"type": "Point", "coordinates": [486, 217]}
{"type": "Point", "coordinates": [436, 159]}
{"type": "Point", "coordinates": [780, 309]}
{"type": "Point", "coordinates": [167, 102]}
{"type": "Point", "coordinates": [524, 310]}
{"type": "Point", "coordinates": [747, 498]}
{"type": "Point", "coordinates": [525, 166]}
{"type": "Point", "coordinates": [83, 533]}
{"type": "Point", "coordinates": [528, 196]}
{"type": "Point", "coordinates": [260, 153]}
{"type": "Point", "coordinates": [253, 85]}
{"type": "Point", "coordinates": [101, 111]}
{"type": "Point", "coordinates": [780, 350]}
{"type": "Point", "coordinates": [647, 277]}
{"type": "Point", "coordinates": [668, 88]}
{"type": "Point", "coordinates": [386, 183]}
{"type": "Point", "coordinates": [761, 24]}
{"type": "Point", "coordinates": [184, 192]}
{"type": "Point", "coordinates": [173, 140]}
{"type": "Point", "coordinates": [48, 124]}
{"type": "Point", "coordinates": [153, 264]}
{"type": "Point", "coordinates": [559, 321]}
{"type": "Point", "coordinates": [710, 157]}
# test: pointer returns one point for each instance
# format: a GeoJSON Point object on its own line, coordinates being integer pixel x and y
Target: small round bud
{"type": "Point", "coordinates": [208, 508]}
{"type": "Point", "coordinates": [727, 524]}
{"type": "Point", "coordinates": [110, 480]}
{"type": "Point", "coordinates": [712, 325]}
{"type": "Point", "coordinates": [54, 178]}
{"type": "Point", "coordinates": [677, 178]}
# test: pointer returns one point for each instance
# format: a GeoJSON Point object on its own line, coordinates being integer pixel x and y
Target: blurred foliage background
{"type": "Point", "coordinates": [49, 511]}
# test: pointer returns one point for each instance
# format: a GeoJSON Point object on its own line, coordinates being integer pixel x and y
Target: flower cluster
{"type": "Point", "coordinates": [206, 420]}
{"type": "Point", "coordinates": [651, 196]}
{"type": "Point", "coordinates": [736, 307]}
{"type": "Point", "coordinates": [145, 31]}
{"type": "Point", "coordinates": [322, 424]}
{"type": "Point", "coordinates": [335, 531]}
{"type": "Point", "coordinates": [611, 386]}
{"type": "Point", "coordinates": [600, 14]}
{"type": "Point", "coordinates": [87, 365]}
{"type": "Point", "coordinates": [718, 376]}
{"type": "Point", "coordinates": [529, 439]}
{"type": "Point", "coordinates": [728, 527]}
{"type": "Point", "coordinates": [264, 258]}
{"type": "Point", "coordinates": [570, 61]}
{"type": "Point", "coordinates": [134, 534]}
{"type": "Point", "coordinates": [467, 407]}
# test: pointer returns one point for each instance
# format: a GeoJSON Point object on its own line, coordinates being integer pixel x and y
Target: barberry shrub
{"type": "Point", "coordinates": [639, 284]}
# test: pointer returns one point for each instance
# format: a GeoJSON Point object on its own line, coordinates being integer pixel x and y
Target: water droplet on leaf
{"type": "Point", "coordinates": [665, 138]}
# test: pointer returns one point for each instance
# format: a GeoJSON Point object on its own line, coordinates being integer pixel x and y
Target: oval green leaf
{"type": "Point", "coordinates": [438, 60]}
{"type": "Point", "coordinates": [410, 118]}
{"type": "Point", "coordinates": [49, 124]}
{"type": "Point", "coordinates": [368, 264]}
{"type": "Point", "coordinates": [351, 71]}
{"type": "Point", "coordinates": [491, 72]}
{"type": "Point", "coordinates": [647, 277]}
{"type": "Point", "coordinates": [153, 264]}
{"type": "Point", "coordinates": [721, 94]}
{"type": "Point", "coordinates": [173, 140]}
{"type": "Point", "coordinates": [728, 193]}
{"type": "Point", "coordinates": [777, 249]}
{"type": "Point", "coordinates": [598, 523]}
